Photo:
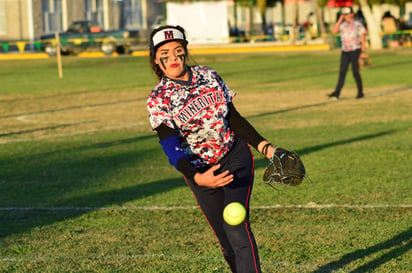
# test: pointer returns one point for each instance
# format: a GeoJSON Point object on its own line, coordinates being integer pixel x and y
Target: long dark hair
{"type": "Point", "coordinates": [155, 67]}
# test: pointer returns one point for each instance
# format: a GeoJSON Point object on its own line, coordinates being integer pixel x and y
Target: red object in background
{"type": "Point", "coordinates": [95, 29]}
{"type": "Point", "coordinates": [339, 3]}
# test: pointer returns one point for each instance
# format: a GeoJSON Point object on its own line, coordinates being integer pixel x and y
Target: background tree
{"type": "Point", "coordinates": [374, 25]}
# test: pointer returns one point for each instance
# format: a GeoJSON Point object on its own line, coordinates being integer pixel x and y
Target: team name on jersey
{"type": "Point", "coordinates": [199, 103]}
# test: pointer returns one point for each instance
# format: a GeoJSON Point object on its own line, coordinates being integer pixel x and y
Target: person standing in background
{"type": "Point", "coordinates": [352, 34]}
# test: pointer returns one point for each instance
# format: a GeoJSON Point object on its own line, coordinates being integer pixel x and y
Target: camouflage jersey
{"type": "Point", "coordinates": [196, 110]}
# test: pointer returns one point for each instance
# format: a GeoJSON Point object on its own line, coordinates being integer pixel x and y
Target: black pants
{"type": "Point", "coordinates": [237, 242]}
{"type": "Point", "coordinates": [349, 57]}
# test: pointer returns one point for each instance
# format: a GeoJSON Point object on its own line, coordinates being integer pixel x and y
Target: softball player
{"type": "Point", "coordinates": [206, 139]}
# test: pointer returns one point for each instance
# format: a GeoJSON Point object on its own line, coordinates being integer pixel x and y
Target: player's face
{"type": "Point", "coordinates": [171, 58]}
{"type": "Point", "coordinates": [349, 17]}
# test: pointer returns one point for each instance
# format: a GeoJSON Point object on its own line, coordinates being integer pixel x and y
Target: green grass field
{"type": "Point", "coordinates": [85, 186]}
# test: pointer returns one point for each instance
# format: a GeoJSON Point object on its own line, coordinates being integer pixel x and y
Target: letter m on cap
{"type": "Point", "coordinates": [168, 34]}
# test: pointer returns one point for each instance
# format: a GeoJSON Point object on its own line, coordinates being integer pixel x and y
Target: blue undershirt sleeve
{"type": "Point", "coordinates": [183, 163]}
{"type": "Point", "coordinates": [173, 149]}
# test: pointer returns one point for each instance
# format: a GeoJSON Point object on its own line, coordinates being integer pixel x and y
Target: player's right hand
{"type": "Point", "coordinates": [210, 180]}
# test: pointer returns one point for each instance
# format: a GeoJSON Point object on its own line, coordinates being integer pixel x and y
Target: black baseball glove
{"type": "Point", "coordinates": [285, 168]}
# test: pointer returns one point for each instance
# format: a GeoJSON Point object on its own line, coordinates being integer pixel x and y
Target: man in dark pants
{"type": "Point", "coordinates": [352, 34]}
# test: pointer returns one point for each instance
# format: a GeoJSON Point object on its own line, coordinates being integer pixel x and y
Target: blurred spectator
{"type": "Point", "coordinates": [361, 18]}
{"type": "Point", "coordinates": [308, 25]}
{"type": "Point", "coordinates": [352, 34]}
{"type": "Point", "coordinates": [389, 22]}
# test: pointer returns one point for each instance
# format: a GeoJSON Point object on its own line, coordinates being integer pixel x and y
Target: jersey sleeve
{"type": "Point", "coordinates": [229, 93]}
{"type": "Point", "coordinates": [159, 112]}
{"type": "Point", "coordinates": [243, 128]}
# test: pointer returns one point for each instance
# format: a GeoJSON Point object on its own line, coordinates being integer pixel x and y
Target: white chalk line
{"type": "Point", "coordinates": [79, 132]}
{"type": "Point", "coordinates": [310, 205]}
{"type": "Point", "coordinates": [24, 118]}
{"type": "Point", "coordinates": [27, 120]}
{"type": "Point", "coordinates": [74, 108]}
{"type": "Point", "coordinates": [109, 257]}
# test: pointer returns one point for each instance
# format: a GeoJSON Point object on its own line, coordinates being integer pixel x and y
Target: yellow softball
{"type": "Point", "coordinates": [234, 213]}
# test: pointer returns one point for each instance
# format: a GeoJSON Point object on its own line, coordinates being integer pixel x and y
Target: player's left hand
{"type": "Point", "coordinates": [210, 180]}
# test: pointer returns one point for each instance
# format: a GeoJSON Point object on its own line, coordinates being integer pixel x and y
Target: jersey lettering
{"type": "Point", "coordinates": [198, 104]}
